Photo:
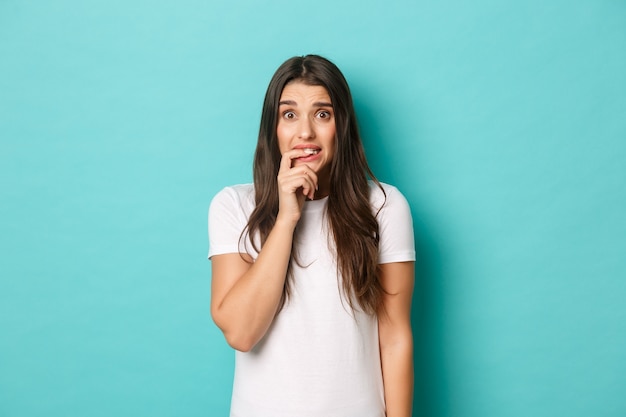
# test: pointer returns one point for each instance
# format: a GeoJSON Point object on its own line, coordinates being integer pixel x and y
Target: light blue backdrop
{"type": "Point", "coordinates": [504, 123]}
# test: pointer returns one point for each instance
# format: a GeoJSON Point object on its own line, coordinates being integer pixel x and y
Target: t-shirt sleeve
{"type": "Point", "coordinates": [397, 243]}
{"type": "Point", "coordinates": [226, 222]}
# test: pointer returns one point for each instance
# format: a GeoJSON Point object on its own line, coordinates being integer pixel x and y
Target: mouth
{"type": "Point", "coordinates": [311, 151]}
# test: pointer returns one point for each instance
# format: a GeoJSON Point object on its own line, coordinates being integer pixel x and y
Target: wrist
{"type": "Point", "coordinates": [285, 224]}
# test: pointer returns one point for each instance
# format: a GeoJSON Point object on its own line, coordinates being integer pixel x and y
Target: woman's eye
{"type": "Point", "coordinates": [289, 115]}
{"type": "Point", "coordinates": [324, 114]}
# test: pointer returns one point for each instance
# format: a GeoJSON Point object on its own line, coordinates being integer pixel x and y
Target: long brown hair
{"type": "Point", "coordinates": [352, 224]}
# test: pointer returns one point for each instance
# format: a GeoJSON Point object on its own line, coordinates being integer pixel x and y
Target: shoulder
{"type": "Point", "coordinates": [240, 193]}
{"type": "Point", "coordinates": [385, 195]}
{"type": "Point", "coordinates": [395, 224]}
{"type": "Point", "coordinates": [228, 216]}
{"type": "Point", "coordinates": [235, 200]}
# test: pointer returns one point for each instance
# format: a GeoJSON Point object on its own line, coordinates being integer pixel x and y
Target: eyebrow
{"type": "Point", "coordinates": [293, 103]}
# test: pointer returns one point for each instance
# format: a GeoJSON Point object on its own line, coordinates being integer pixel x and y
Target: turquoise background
{"type": "Point", "coordinates": [504, 124]}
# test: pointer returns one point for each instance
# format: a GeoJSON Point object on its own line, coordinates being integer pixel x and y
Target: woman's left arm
{"type": "Point", "coordinates": [396, 337]}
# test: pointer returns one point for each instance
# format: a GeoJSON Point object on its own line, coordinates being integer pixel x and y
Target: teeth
{"type": "Point", "coordinates": [310, 151]}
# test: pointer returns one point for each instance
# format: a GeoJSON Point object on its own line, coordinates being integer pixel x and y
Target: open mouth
{"type": "Point", "coordinates": [311, 151]}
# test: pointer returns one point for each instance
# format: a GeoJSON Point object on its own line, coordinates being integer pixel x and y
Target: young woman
{"type": "Point", "coordinates": [313, 263]}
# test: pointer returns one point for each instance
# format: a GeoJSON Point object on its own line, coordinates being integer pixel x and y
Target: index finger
{"type": "Point", "coordinates": [288, 157]}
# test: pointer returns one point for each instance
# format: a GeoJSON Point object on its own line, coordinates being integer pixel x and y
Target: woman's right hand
{"type": "Point", "coordinates": [295, 184]}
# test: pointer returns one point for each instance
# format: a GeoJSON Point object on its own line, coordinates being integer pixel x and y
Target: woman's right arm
{"type": "Point", "coordinates": [245, 295]}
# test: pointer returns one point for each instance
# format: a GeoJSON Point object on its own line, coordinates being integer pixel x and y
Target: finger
{"type": "Point", "coordinates": [312, 175]}
{"type": "Point", "coordinates": [304, 172]}
{"type": "Point", "coordinates": [309, 190]}
{"type": "Point", "coordinates": [297, 180]}
{"type": "Point", "coordinates": [286, 161]}
{"type": "Point", "coordinates": [298, 172]}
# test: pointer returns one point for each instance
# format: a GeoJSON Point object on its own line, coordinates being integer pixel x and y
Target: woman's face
{"type": "Point", "coordinates": [306, 120]}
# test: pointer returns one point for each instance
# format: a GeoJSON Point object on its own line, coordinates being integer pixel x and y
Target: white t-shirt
{"type": "Point", "coordinates": [318, 358]}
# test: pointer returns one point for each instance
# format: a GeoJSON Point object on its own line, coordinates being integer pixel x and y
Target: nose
{"type": "Point", "coordinates": [306, 129]}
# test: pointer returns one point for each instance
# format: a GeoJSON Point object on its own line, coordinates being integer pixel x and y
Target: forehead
{"type": "Point", "coordinates": [299, 92]}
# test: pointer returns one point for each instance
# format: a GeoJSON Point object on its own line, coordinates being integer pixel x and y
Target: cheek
{"type": "Point", "coordinates": [330, 137]}
{"type": "Point", "coordinates": [283, 138]}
